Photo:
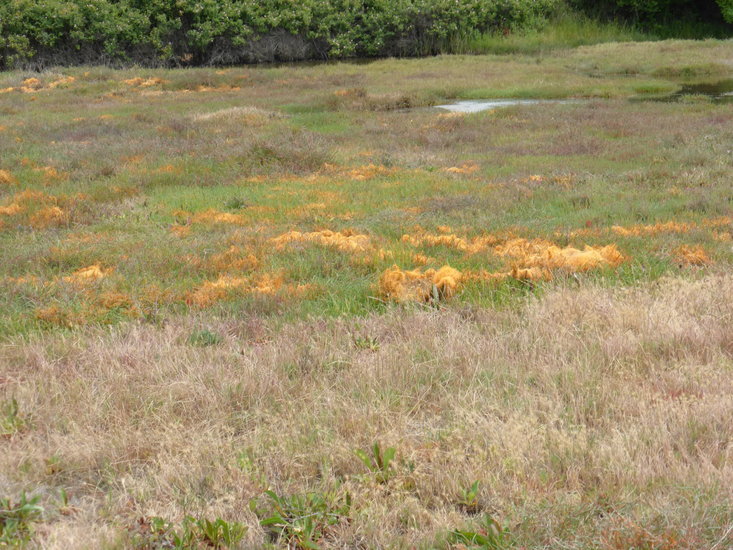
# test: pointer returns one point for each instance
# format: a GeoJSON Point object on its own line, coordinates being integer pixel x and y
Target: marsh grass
{"type": "Point", "coordinates": [562, 32]}
{"type": "Point", "coordinates": [190, 310]}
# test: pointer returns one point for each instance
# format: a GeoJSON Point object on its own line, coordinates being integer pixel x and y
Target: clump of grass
{"type": "Point", "coordinates": [11, 419]}
{"type": "Point", "coordinates": [689, 72]}
{"type": "Point", "coordinates": [288, 152]}
{"type": "Point", "coordinates": [204, 338]}
{"type": "Point", "coordinates": [195, 80]}
{"type": "Point", "coordinates": [357, 99]}
{"type": "Point", "coordinates": [368, 343]}
{"type": "Point", "coordinates": [236, 203]}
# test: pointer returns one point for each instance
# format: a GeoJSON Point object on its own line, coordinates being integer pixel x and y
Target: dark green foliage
{"type": "Point", "coordinates": [660, 13]}
{"type": "Point", "coordinates": [38, 33]}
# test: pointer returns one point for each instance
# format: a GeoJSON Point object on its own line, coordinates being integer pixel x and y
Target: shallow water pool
{"type": "Point", "coordinates": [477, 105]}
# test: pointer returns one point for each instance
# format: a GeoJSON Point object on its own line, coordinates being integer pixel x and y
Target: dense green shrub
{"type": "Point", "coordinates": [726, 8]}
{"type": "Point", "coordinates": [35, 33]}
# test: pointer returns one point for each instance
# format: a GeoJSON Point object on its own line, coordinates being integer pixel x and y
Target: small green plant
{"type": "Point", "coordinates": [151, 534]}
{"type": "Point", "coordinates": [11, 421]}
{"type": "Point", "coordinates": [217, 533]}
{"type": "Point", "coordinates": [469, 498]}
{"type": "Point", "coordinates": [156, 532]}
{"type": "Point", "coordinates": [204, 338]}
{"type": "Point", "coordinates": [53, 465]}
{"type": "Point", "coordinates": [486, 535]}
{"type": "Point", "coordinates": [63, 503]}
{"type": "Point", "coordinates": [379, 462]}
{"type": "Point", "coordinates": [16, 519]}
{"type": "Point", "coordinates": [367, 343]}
{"type": "Point", "coordinates": [247, 463]}
{"type": "Point", "coordinates": [236, 203]}
{"type": "Point", "coordinates": [301, 521]}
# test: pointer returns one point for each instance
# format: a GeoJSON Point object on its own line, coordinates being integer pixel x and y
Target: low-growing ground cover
{"type": "Point", "coordinates": [220, 282]}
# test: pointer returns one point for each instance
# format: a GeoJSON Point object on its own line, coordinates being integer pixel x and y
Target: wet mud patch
{"type": "Point", "coordinates": [716, 92]}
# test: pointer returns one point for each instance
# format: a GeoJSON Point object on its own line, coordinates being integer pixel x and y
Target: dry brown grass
{"type": "Point", "coordinates": [594, 418]}
{"type": "Point", "coordinates": [250, 115]}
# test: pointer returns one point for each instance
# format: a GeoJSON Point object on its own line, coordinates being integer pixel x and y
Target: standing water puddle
{"type": "Point", "coordinates": [477, 105]}
{"type": "Point", "coordinates": [718, 92]}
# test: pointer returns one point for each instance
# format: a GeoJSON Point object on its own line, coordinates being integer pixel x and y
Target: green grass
{"type": "Point", "coordinates": [140, 174]}
{"type": "Point", "coordinates": [569, 29]}
{"type": "Point", "coordinates": [563, 32]}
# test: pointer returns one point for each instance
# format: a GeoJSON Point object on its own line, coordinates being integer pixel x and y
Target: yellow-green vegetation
{"type": "Point", "coordinates": [300, 306]}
